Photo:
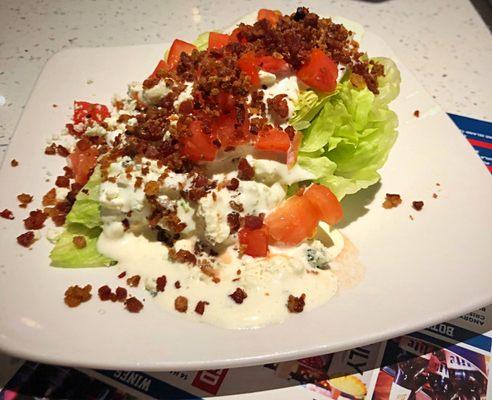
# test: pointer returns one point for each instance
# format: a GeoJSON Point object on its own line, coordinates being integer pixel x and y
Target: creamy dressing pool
{"type": "Point", "coordinates": [268, 282]}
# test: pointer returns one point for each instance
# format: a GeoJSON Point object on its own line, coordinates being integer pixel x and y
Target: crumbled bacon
{"type": "Point", "coordinates": [59, 220]}
{"type": "Point", "coordinates": [122, 275]}
{"type": "Point", "coordinates": [62, 151]}
{"type": "Point", "coordinates": [245, 171]}
{"type": "Point", "coordinates": [26, 239]}
{"type": "Point", "coordinates": [35, 220]}
{"type": "Point", "coordinates": [79, 242]}
{"type": "Point", "coordinates": [181, 304]}
{"type": "Point", "coordinates": [416, 113]}
{"type": "Point", "coordinates": [233, 221]}
{"type": "Point", "coordinates": [151, 188]}
{"type": "Point", "coordinates": [392, 200]}
{"type": "Point", "coordinates": [133, 305]}
{"type": "Point", "coordinates": [418, 205]}
{"type": "Point", "coordinates": [200, 307]}
{"type": "Point", "coordinates": [50, 150]}
{"type": "Point", "coordinates": [24, 198]}
{"type": "Point", "coordinates": [49, 199]}
{"type": "Point", "coordinates": [75, 295]}
{"type": "Point", "coordinates": [161, 283]}
{"type": "Point", "coordinates": [296, 304]}
{"type": "Point", "coordinates": [14, 163]}
{"type": "Point", "coordinates": [104, 293]}
{"type": "Point", "coordinates": [182, 256]}
{"type": "Point", "coordinates": [121, 294]}
{"type": "Point", "coordinates": [278, 106]}
{"type": "Point", "coordinates": [7, 214]}
{"type": "Point", "coordinates": [253, 222]}
{"type": "Point", "coordinates": [177, 284]}
{"type": "Point", "coordinates": [238, 296]}
{"type": "Point", "coordinates": [62, 182]}
{"type": "Point", "coordinates": [233, 184]}
{"type": "Point", "coordinates": [133, 281]}
{"type": "Point", "coordinates": [236, 206]}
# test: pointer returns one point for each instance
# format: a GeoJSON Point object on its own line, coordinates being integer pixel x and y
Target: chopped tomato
{"type": "Point", "coordinates": [271, 16]}
{"type": "Point", "coordinates": [320, 72]}
{"type": "Point", "coordinates": [329, 208]}
{"type": "Point", "coordinates": [199, 145]}
{"type": "Point", "coordinates": [229, 134]}
{"type": "Point", "coordinates": [161, 66]}
{"type": "Point", "coordinates": [273, 65]}
{"type": "Point", "coordinates": [82, 163]}
{"type": "Point", "coordinates": [249, 66]}
{"type": "Point", "coordinates": [254, 242]}
{"type": "Point", "coordinates": [84, 112]}
{"type": "Point", "coordinates": [226, 102]}
{"type": "Point", "coordinates": [217, 40]}
{"type": "Point", "coordinates": [178, 47]}
{"type": "Point", "coordinates": [293, 221]}
{"type": "Point", "coordinates": [294, 149]}
{"type": "Point", "coordinates": [273, 139]}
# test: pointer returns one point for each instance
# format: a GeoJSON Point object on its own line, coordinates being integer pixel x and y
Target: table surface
{"type": "Point", "coordinates": [444, 42]}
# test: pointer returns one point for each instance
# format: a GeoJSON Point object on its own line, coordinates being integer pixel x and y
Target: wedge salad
{"type": "Point", "coordinates": [215, 183]}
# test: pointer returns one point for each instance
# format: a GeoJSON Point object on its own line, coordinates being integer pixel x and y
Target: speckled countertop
{"type": "Point", "coordinates": [444, 42]}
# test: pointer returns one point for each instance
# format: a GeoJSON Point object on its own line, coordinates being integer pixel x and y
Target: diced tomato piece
{"type": "Point", "coordinates": [226, 102]}
{"type": "Point", "coordinates": [249, 66]}
{"type": "Point", "coordinates": [293, 221]}
{"type": "Point", "coordinates": [271, 16]}
{"type": "Point", "coordinates": [254, 242]}
{"type": "Point", "coordinates": [329, 208]}
{"type": "Point", "coordinates": [217, 40]}
{"type": "Point", "coordinates": [84, 112]}
{"type": "Point", "coordinates": [273, 65]}
{"type": "Point", "coordinates": [199, 145]}
{"type": "Point", "coordinates": [273, 139]}
{"type": "Point", "coordinates": [294, 150]}
{"type": "Point", "coordinates": [178, 47]}
{"type": "Point", "coordinates": [82, 163]}
{"type": "Point", "coordinates": [320, 72]}
{"type": "Point", "coordinates": [161, 66]}
{"type": "Point", "coordinates": [224, 128]}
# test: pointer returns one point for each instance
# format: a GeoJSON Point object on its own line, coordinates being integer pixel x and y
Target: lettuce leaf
{"type": "Point", "coordinates": [350, 137]}
{"type": "Point", "coordinates": [66, 255]}
{"type": "Point", "coordinates": [201, 42]}
{"type": "Point", "coordinates": [307, 106]}
{"type": "Point", "coordinates": [84, 219]}
{"type": "Point", "coordinates": [86, 210]}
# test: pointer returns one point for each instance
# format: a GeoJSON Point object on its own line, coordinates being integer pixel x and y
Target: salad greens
{"type": "Point", "coordinates": [84, 219]}
{"type": "Point", "coordinates": [348, 135]}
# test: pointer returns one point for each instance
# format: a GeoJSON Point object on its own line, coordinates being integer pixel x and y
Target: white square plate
{"type": "Point", "coordinates": [418, 272]}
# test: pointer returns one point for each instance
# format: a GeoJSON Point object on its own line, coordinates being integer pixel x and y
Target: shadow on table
{"type": "Point", "coordinates": [355, 205]}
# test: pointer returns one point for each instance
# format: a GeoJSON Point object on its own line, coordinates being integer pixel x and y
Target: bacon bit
{"type": "Point", "coordinates": [133, 281]}
{"type": "Point", "coordinates": [104, 293]}
{"type": "Point", "coordinates": [7, 214]}
{"type": "Point", "coordinates": [236, 206]}
{"type": "Point", "coordinates": [253, 222]}
{"type": "Point", "coordinates": [122, 275]}
{"type": "Point", "coordinates": [133, 305]}
{"type": "Point", "coordinates": [182, 256]}
{"type": "Point", "coordinates": [59, 220]}
{"type": "Point", "coordinates": [177, 284]}
{"type": "Point", "coordinates": [63, 206]}
{"type": "Point", "coordinates": [121, 294]}
{"type": "Point", "coordinates": [181, 304]}
{"type": "Point", "coordinates": [50, 150]}
{"type": "Point", "coordinates": [161, 283]}
{"type": "Point", "coordinates": [416, 113]}
{"type": "Point", "coordinates": [278, 105]}
{"type": "Point", "coordinates": [238, 272]}
{"type": "Point", "coordinates": [35, 220]}
{"type": "Point", "coordinates": [62, 181]}
{"type": "Point", "coordinates": [79, 242]}
{"type": "Point", "coordinates": [126, 224]}
{"type": "Point", "coordinates": [62, 151]}
{"type": "Point", "coordinates": [200, 307]}
{"type": "Point", "coordinates": [68, 172]}
{"type": "Point", "coordinates": [238, 296]}
{"type": "Point", "coordinates": [296, 304]}
{"type": "Point", "coordinates": [434, 195]}
{"type": "Point", "coordinates": [54, 105]}
{"type": "Point", "coordinates": [233, 184]}
{"type": "Point", "coordinates": [236, 279]}
{"type": "Point", "coordinates": [24, 198]}
{"type": "Point", "coordinates": [26, 239]}
{"type": "Point", "coordinates": [138, 182]}
{"type": "Point", "coordinates": [438, 184]}
{"type": "Point", "coordinates": [49, 199]}
{"type": "Point", "coordinates": [75, 295]}
{"type": "Point", "coordinates": [208, 270]}
{"type": "Point", "coordinates": [418, 205]}
{"type": "Point", "coordinates": [14, 163]}
{"type": "Point", "coordinates": [392, 200]}
{"type": "Point", "coordinates": [83, 144]}
{"type": "Point", "coordinates": [245, 171]}
{"type": "Point", "coordinates": [233, 221]}
{"type": "Point", "coordinates": [151, 188]}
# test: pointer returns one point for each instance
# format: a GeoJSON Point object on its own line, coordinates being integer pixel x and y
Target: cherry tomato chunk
{"type": "Point", "coordinates": [217, 40]}
{"type": "Point", "coordinates": [199, 146]}
{"type": "Point", "coordinates": [249, 66]}
{"type": "Point", "coordinates": [82, 163]}
{"type": "Point", "coordinates": [271, 16]}
{"type": "Point", "coordinates": [254, 242]}
{"type": "Point", "coordinates": [178, 47]}
{"type": "Point", "coordinates": [84, 112]}
{"type": "Point", "coordinates": [328, 206]}
{"type": "Point", "coordinates": [320, 72]}
{"type": "Point", "coordinates": [273, 140]}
